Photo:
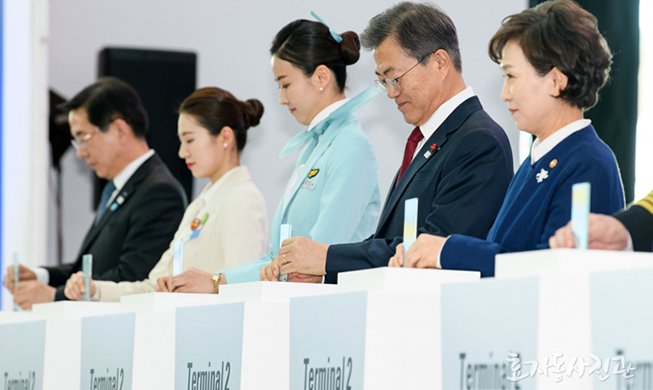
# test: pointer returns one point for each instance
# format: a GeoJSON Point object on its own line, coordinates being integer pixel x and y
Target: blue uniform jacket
{"type": "Point", "coordinates": [336, 197]}
{"type": "Point", "coordinates": [532, 211]}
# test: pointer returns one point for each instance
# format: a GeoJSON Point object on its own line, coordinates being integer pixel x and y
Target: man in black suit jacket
{"type": "Point", "coordinates": [630, 229]}
{"type": "Point", "coordinates": [461, 168]}
{"type": "Point", "coordinates": [141, 206]}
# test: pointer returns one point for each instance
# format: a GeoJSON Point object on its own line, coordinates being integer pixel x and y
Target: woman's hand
{"type": "Point", "coordinates": [75, 287]}
{"type": "Point", "coordinates": [193, 281]}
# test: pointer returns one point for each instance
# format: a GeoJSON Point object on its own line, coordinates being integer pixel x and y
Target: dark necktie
{"type": "Point", "coordinates": [106, 194]}
{"type": "Point", "coordinates": [411, 145]}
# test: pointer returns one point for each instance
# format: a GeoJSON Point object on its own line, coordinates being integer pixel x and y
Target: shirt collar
{"type": "Point", "coordinates": [121, 179]}
{"type": "Point", "coordinates": [540, 148]}
{"type": "Point", "coordinates": [326, 112]}
{"type": "Point", "coordinates": [443, 112]}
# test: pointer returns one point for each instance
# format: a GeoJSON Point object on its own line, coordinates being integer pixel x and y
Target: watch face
{"type": "Point", "coordinates": [216, 277]}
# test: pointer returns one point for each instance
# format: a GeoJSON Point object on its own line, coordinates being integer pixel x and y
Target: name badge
{"type": "Point", "coordinates": [308, 184]}
{"type": "Point", "coordinates": [194, 234]}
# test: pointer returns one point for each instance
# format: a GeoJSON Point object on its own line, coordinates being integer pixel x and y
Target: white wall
{"type": "Point", "coordinates": [232, 39]}
{"type": "Point", "coordinates": [25, 156]}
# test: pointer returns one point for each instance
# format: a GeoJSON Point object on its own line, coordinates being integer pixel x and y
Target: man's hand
{"type": "Point", "coordinates": [303, 278]}
{"type": "Point", "coordinates": [398, 259]}
{"type": "Point", "coordinates": [194, 281]}
{"type": "Point", "coordinates": [605, 232]}
{"type": "Point", "coordinates": [30, 292]}
{"type": "Point", "coordinates": [24, 273]}
{"type": "Point", "coordinates": [303, 255]}
{"type": "Point", "coordinates": [75, 287]}
{"type": "Point", "coordinates": [270, 273]}
{"type": "Point", "coordinates": [422, 254]}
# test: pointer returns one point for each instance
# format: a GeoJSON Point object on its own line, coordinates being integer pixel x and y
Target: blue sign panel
{"type": "Point", "coordinates": [622, 318]}
{"type": "Point", "coordinates": [209, 346]}
{"type": "Point", "coordinates": [327, 341]}
{"type": "Point", "coordinates": [108, 351]}
{"type": "Point", "coordinates": [22, 351]}
{"type": "Point", "coordinates": [488, 328]}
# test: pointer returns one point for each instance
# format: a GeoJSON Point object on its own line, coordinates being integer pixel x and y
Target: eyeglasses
{"type": "Point", "coordinates": [388, 82]}
{"type": "Point", "coordinates": [80, 143]}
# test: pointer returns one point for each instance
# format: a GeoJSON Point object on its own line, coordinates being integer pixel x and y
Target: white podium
{"type": "Point", "coordinates": [381, 331]}
{"type": "Point", "coordinates": [63, 339]}
{"type": "Point", "coordinates": [531, 326]}
{"type": "Point", "coordinates": [9, 317]}
{"type": "Point", "coordinates": [44, 353]}
{"type": "Point", "coordinates": [134, 349]}
{"type": "Point", "coordinates": [241, 343]}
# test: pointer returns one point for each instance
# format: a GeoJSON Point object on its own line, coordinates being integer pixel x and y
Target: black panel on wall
{"type": "Point", "coordinates": [163, 79]}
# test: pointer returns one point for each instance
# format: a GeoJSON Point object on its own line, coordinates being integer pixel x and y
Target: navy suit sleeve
{"type": "Point", "coordinates": [59, 274]}
{"type": "Point", "coordinates": [639, 221]}
{"type": "Point", "coordinates": [471, 254]}
{"type": "Point", "coordinates": [466, 200]}
{"type": "Point", "coordinates": [151, 226]}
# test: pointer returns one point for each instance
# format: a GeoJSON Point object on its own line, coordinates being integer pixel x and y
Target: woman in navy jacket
{"type": "Point", "coordinates": [554, 62]}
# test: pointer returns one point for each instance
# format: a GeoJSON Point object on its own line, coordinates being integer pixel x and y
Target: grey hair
{"type": "Point", "coordinates": [421, 29]}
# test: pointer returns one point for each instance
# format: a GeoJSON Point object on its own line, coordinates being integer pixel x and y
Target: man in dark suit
{"type": "Point", "coordinates": [457, 160]}
{"type": "Point", "coordinates": [630, 229]}
{"type": "Point", "coordinates": [141, 206]}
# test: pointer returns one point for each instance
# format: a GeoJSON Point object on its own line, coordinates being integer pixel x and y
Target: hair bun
{"type": "Point", "coordinates": [351, 47]}
{"type": "Point", "coordinates": [253, 111]}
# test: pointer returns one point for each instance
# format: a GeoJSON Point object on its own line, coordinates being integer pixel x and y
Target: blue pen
{"type": "Point", "coordinates": [284, 233]}
{"type": "Point", "coordinates": [16, 277]}
{"type": "Point", "coordinates": [87, 268]}
{"type": "Point", "coordinates": [580, 213]}
{"type": "Point", "coordinates": [178, 257]}
{"type": "Point", "coordinates": [410, 224]}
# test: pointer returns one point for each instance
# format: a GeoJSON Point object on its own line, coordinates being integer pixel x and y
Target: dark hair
{"type": "Point", "coordinates": [214, 108]}
{"type": "Point", "coordinates": [109, 99]}
{"type": "Point", "coordinates": [307, 45]}
{"type": "Point", "coordinates": [560, 34]}
{"type": "Point", "coordinates": [420, 29]}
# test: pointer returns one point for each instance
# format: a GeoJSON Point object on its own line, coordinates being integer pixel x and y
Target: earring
{"type": "Point", "coordinates": [321, 89]}
{"type": "Point", "coordinates": [226, 144]}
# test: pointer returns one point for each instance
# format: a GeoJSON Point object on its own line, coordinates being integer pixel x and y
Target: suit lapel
{"type": "Point", "coordinates": [439, 138]}
{"type": "Point", "coordinates": [125, 193]}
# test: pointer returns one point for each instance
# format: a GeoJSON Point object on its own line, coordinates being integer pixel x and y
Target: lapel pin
{"type": "Point", "coordinates": [553, 163]}
{"type": "Point", "coordinates": [195, 224]}
{"type": "Point", "coordinates": [429, 152]}
{"type": "Point", "coordinates": [120, 199]}
{"type": "Point", "coordinates": [542, 175]}
{"type": "Point", "coordinates": [114, 206]}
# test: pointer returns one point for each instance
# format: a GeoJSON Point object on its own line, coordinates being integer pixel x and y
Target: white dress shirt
{"type": "Point", "coordinates": [441, 114]}
{"type": "Point", "coordinates": [541, 148]}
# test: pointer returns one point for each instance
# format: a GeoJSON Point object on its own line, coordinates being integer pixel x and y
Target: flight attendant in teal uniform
{"type": "Point", "coordinates": [333, 193]}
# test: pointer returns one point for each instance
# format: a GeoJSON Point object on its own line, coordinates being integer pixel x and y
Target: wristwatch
{"type": "Point", "coordinates": [215, 278]}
